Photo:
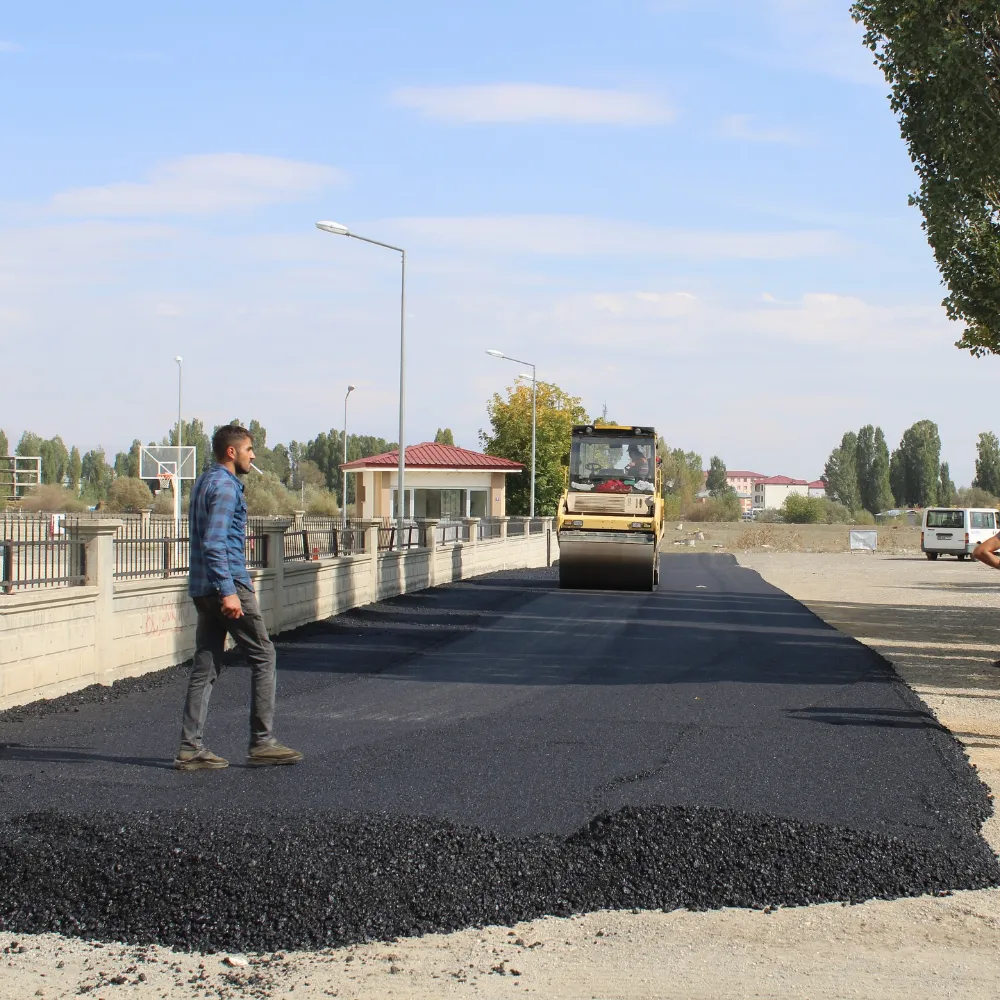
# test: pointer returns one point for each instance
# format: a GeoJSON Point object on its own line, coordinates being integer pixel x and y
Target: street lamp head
{"type": "Point", "coordinates": [495, 354]}
{"type": "Point", "coordinates": [350, 389]}
{"type": "Point", "coordinates": [178, 359]}
{"type": "Point", "coordinates": [525, 375]}
{"type": "Point", "coordinates": [333, 227]}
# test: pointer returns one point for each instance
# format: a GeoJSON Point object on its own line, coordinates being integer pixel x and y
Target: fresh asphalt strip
{"type": "Point", "coordinates": [494, 751]}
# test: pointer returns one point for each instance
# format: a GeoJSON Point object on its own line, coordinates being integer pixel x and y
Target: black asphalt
{"type": "Point", "coordinates": [506, 704]}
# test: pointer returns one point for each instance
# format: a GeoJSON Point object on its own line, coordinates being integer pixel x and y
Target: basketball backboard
{"type": "Point", "coordinates": [167, 459]}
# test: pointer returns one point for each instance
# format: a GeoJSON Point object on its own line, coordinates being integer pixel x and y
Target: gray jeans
{"type": "Point", "coordinates": [250, 635]}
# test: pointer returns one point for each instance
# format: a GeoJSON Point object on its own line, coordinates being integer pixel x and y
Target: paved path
{"type": "Point", "coordinates": [505, 703]}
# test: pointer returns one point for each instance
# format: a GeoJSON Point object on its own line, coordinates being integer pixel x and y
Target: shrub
{"type": "Point", "coordinates": [321, 503]}
{"type": "Point", "coordinates": [266, 494]}
{"type": "Point", "coordinates": [767, 516]}
{"type": "Point", "coordinates": [128, 496]}
{"type": "Point", "coordinates": [725, 507]}
{"type": "Point", "coordinates": [802, 510]}
{"type": "Point", "coordinates": [49, 497]}
{"type": "Point", "coordinates": [973, 496]}
{"type": "Point", "coordinates": [163, 503]}
{"type": "Point", "coordinates": [672, 507]}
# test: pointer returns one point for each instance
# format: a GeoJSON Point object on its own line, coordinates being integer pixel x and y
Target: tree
{"type": "Point", "coordinates": [55, 461]}
{"type": "Point", "coordinates": [881, 493]}
{"type": "Point", "coordinates": [716, 482]}
{"type": "Point", "coordinates": [95, 474]}
{"type": "Point", "coordinates": [946, 488]}
{"type": "Point", "coordinates": [974, 496]}
{"type": "Point", "coordinates": [128, 495]}
{"type": "Point", "coordinates": [510, 437]}
{"type": "Point", "coordinates": [941, 59]}
{"type": "Point", "coordinates": [915, 470]}
{"type": "Point", "coordinates": [988, 463]}
{"type": "Point", "coordinates": [841, 473]}
{"type": "Point", "coordinates": [194, 434]}
{"type": "Point", "coordinates": [75, 470]}
{"type": "Point", "coordinates": [444, 436]}
{"type": "Point", "coordinates": [127, 462]}
{"type": "Point", "coordinates": [4, 445]}
{"type": "Point", "coordinates": [29, 445]}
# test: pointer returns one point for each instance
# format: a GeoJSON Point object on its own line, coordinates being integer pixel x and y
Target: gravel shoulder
{"type": "Point", "coordinates": [932, 621]}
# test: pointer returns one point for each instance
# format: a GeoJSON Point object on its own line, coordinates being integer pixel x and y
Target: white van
{"type": "Point", "coordinates": [956, 531]}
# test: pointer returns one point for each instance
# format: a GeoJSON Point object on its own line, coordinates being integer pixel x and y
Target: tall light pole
{"type": "Point", "coordinates": [534, 410]}
{"type": "Point", "coordinates": [343, 505]}
{"type": "Point", "coordinates": [339, 230]}
{"type": "Point", "coordinates": [180, 443]}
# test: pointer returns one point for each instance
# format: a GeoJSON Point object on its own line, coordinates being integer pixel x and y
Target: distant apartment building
{"type": "Point", "coordinates": [769, 494]}
{"type": "Point", "coordinates": [742, 482]}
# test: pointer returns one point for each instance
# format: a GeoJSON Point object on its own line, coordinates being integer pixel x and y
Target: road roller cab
{"type": "Point", "coordinates": [610, 519]}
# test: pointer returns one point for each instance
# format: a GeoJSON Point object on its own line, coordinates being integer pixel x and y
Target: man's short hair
{"type": "Point", "coordinates": [227, 436]}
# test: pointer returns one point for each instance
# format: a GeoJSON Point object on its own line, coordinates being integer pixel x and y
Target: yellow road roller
{"type": "Point", "coordinates": [610, 520]}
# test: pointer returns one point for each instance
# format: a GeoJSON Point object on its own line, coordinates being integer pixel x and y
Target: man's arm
{"type": "Point", "coordinates": [986, 552]}
{"type": "Point", "coordinates": [220, 508]}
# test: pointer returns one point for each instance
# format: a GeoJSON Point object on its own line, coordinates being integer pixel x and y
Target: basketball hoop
{"type": "Point", "coordinates": [166, 481]}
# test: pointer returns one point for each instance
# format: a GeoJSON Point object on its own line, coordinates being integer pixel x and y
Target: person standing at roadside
{"type": "Point", "coordinates": [223, 593]}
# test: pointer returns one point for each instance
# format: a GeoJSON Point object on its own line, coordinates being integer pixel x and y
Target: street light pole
{"type": "Point", "coordinates": [339, 230]}
{"type": "Point", "coordinates": [343, 486]}
{"type": "Point", "coordinates": [534, 411]}
{"type": "Point", "coordinates": [180, 444]}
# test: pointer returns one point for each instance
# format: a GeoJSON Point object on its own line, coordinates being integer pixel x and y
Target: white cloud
{"type": "Point", "coordinates": [744, 128]}
{"type": "Point", "coordinates": [579, 236]}
{"type": "Point", "coordinates": [201, 184]}
{"type": "Point", "coordinates": [533, 102]}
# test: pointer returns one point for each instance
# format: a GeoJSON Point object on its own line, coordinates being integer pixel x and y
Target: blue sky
{"type": "Point", "coordinates": [694, 212]}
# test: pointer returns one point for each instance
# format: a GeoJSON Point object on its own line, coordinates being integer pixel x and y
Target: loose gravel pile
{"type": "Point", "coordinates": [263, 883]}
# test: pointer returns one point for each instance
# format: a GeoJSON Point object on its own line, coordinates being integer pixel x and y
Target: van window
{"type": "Point", "coordinates": [982, 519]}
{"type": "Point", "coordinates": [946, 519]}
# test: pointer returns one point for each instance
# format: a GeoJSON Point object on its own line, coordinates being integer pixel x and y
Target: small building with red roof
{"type": "Point", "coordinates": [817, 488]}
{"type": "Point", "coordinates": [742, 481]}
{"type": "Point", "coordinates": [770, 493]}
{"type": "Point", "coordinates": [442, 481]}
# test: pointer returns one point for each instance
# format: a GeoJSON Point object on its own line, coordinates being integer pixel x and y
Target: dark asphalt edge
{"type": "Point", "coordinates": [974, 801]}
{"type": "Point", "coordinates": [256, 883]}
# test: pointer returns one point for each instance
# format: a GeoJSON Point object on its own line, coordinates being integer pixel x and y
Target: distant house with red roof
{"type": "Point", "coordinates": [770, 493]}
{"type": "Point", "coordinates": [817, 488]}
{"type": "Point", "coordinates": [442, 481]}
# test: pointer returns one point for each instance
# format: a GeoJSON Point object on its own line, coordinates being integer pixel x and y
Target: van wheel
{"type": "Point", "coordinates": [932, 556]}
{"type": "Point", "coordinates": [963, 555]}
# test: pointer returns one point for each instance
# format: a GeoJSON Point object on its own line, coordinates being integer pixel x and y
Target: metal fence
{"type": "Point", "coordinates": [38, 552]}
{"type": "Point", "coordinates": [45, 550]}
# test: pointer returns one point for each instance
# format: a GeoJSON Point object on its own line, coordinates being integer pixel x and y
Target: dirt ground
{"type": "Point", "coordinates": [744, 536]}
{"type": "Point", "coordinates": [934, 621]}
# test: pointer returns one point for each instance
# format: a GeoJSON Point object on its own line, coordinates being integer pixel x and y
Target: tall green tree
{"type": "Point", "coordinates": [193, 435]}
{"type": "Point", "coordinates": [841, 473]}
{"type": "Point", "coordinates": [4, 445]}
{"type": "Point", "coordinates": [75, 470]}
{"type": "Point", "coordinates": [941, 59]}
{"type": "Point", "coordinates": [30, 444]}
{"type": "Point", "coordinates": [882, 495]}
{"type": "Point", "coordinates": [444, 436]}
{"type": "Point", "coordinates": [509, 436]}
{"type": "Point", "coordinates": [55, 461]}
{"type": "Point", "coordinates": [96, 474]}
{"type": "Point", "coordinates": [946, 488]}
{"type": "Point", "coordinates": [988, 463]}
{"type": "Point", "coordinates": [127, 462]}
{"type": "Point", "coordinates": [716, 482]}
{"type": "Point", "coordinates": [918, 465]}
{"type": "Point", "coordinates": [682, 473]}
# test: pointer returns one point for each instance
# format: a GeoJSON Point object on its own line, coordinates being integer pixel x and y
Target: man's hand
{"type": "Point", "coordinates": [986, 552]}
{"type": "Point", "coordinates": [231, 606]}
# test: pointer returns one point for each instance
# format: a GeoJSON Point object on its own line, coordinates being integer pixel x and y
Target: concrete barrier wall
{"type": "Point", "coordinates": [63, 639]}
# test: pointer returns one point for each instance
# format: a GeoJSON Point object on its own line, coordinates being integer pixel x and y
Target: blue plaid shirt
{"type": "Point", "coordinates": [218, 520]}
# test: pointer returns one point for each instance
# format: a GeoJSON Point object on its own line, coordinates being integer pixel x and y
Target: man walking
{"type": "Point", "coordinates": [223, 594]}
